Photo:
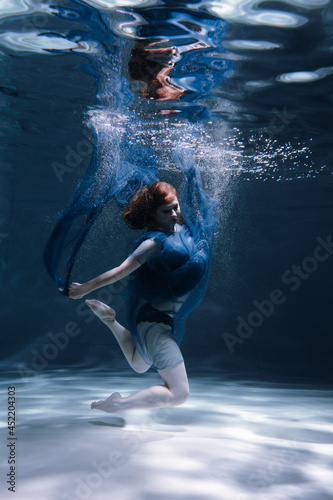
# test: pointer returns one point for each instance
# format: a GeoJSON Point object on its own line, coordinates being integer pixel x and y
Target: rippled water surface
{"type": "Point", "coordinates": [256, 74]}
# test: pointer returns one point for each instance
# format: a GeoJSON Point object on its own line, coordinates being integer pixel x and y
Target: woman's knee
{"type": "Point", "coordinates": [180, 396]}
{"type": "Point", "coordinates": [175, 379]}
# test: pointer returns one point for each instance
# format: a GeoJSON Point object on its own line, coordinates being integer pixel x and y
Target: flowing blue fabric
{"type": "Point", "coordinates": [119, 181]}
{"type": "Point", "coordinates": [118, 168]}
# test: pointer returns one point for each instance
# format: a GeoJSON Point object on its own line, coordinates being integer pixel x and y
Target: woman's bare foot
{"type": "Point", "coordinates": [102, 311]}
{"type": "Point", "coordinates": [110, 405]}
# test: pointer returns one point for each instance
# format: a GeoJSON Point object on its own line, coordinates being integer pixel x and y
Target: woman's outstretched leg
{"type": "Point", "coordinates": [123, 336]}
{"type": "Point", "coordinates": [174, 392]}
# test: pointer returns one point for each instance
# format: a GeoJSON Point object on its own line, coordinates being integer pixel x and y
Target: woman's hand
{"type": "Point", "coordinates": [77, 291]}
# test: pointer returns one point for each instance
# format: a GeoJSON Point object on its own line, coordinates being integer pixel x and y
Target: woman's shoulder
{"type": "Point", "coordinates": [145, 250]}
{"type": "Point", "coordinates": [157, 236]}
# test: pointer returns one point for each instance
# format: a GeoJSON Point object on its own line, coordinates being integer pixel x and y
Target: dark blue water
{"type": "Point", "coordinates": [245, 86]}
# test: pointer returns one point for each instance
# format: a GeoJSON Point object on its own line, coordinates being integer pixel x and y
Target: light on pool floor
{"type": "Point", "coordinates": [232, 440]}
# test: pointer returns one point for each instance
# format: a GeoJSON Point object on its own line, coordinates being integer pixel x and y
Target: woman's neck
{"type": "Point", "coordinates": [171, 230]}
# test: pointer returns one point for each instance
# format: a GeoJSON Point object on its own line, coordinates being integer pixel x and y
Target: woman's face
{"type": "Point", "coordinates": [167, 216]}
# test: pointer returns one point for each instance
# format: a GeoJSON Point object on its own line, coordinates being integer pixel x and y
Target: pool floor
{"type": "Point", "coordinates": [232, 440]}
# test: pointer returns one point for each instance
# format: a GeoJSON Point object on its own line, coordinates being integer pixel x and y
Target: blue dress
{"type": "Point", "coordinates": [177, 272]}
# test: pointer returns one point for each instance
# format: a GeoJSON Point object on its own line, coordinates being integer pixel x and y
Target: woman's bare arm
{"type": "Point", "coordinates": [78, 290]}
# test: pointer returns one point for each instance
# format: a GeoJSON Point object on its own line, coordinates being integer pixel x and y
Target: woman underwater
{"type": "Point", "coordinates": [167, 269]}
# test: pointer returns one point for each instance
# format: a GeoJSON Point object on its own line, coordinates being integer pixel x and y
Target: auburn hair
{"type": "Point", "coordinates": [141, 209]}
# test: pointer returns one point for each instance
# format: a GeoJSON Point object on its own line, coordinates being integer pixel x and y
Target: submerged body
{"type": "Point", "coordinates": [172, 264]}
{"type": "Point", "coordinates": [169, 268]}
